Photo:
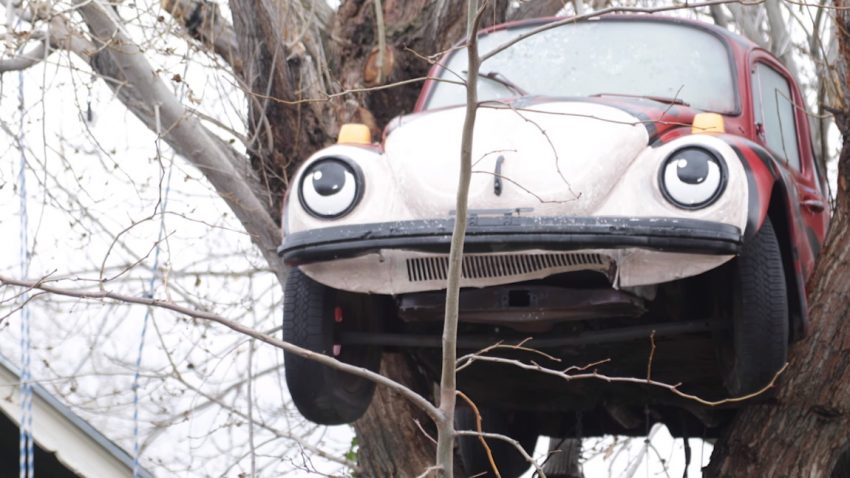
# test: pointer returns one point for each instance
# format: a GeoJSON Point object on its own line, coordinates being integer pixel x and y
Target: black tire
{"type": "Point", "coordinates": [759, 314]}
{"type": "Point", "coordinates": [324, 395]}
{"type": "Point", "coordinates": [511, 463]}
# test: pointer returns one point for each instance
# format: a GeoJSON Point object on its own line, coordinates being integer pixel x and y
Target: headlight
{"type": "Point", "coordinates": [692, 178]}
{"type": "Point", "coordinates": [330, 187]}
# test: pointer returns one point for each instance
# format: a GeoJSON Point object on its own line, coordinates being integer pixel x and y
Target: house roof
{"type": "Point", "coordinates": [56, 429]}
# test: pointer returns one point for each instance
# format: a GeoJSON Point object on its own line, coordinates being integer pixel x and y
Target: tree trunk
{"type": "Point", "coordinates": [805, 431]}
{"type": "Point", "coordinates": [402, 449]}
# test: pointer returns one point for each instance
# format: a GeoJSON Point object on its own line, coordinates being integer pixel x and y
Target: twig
{"type": "Point", "coordinates": [481, 430]}
{"type": "Point", "coordinates": [538, 470]}
{"type": "Point", "coordinates": [651, 356]}
{"type": "Point", "coordinates": [351, 91]}
{"type": "Point", "coordinates": [425, 433]}
{"type": "Point", "coordinates": [526, 190]}
{"type": "Point", "coordinates": [416, 399]}
{"type": "Point", "coordinates": [552, 147]}
{"type": "Point", "coordinates": [429, 470]}
{"type": "Point", "coordinates": [673, 388]}
{"type": "Point", "coordinates": [501, 345]}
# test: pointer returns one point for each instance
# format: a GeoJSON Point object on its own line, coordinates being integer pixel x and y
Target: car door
{"type": "Point", "coordinates": [780, 125]}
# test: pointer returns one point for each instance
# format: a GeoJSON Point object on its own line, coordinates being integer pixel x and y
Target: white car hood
{"type": "Point", "coordinates": [558, 155]}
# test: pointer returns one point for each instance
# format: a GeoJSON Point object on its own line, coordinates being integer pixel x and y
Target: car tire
{"type": "Point", "coordinates": [322, 394]}
{"type": "Point", "coordinates": [760, 324]}
{"type": "Point", "coordinates": [511, 463]}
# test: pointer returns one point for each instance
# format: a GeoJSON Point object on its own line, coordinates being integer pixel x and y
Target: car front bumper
{"type": "Point", "coordinates": [509, 232]}
{"type": "Point", "coordinates": [412, 256]}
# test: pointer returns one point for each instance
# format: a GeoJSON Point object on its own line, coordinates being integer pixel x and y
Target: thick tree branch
{"type": "Point", "coordinates": [203, 21]}
{"type": "Point", "coordinates": [748, 19]}
{"type": "Point", "coordinates": [780, 38]}
{"type": "Point", "coordinates": [146, 95]}
{"type": "Point", "coordinates": [719, 16]}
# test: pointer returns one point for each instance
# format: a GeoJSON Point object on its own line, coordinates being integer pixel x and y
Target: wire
{"type": "Point", "coordinates": [26, 459]}
{"type": "Point", "coordinates": [150, 294]}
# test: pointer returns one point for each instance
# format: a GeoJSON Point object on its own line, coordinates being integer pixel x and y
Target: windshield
{"type": "Point", "coordinates": [632, 58]}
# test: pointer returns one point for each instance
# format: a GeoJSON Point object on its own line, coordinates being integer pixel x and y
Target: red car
{"type": "Point", "coordinates": [634, 177]}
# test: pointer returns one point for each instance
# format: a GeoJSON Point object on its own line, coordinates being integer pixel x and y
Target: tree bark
{"type": "Point", "coordinates": [805, 431]}
{"type": "Point", "coordinates": [397, 448]}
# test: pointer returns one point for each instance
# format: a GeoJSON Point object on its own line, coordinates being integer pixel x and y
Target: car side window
{"type": "Point", "coordinates": [774, 111]}
{"type": "Point", "coordinates": [819, 178]}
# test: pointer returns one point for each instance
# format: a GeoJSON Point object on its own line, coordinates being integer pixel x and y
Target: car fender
{"type": "Point", "coordinates": [773, 194]}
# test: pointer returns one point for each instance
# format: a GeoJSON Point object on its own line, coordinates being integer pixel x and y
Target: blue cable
{"type": "Point", "coordinates": [27, 463]}
{"type": "Point", "coordinates": [151, 284]}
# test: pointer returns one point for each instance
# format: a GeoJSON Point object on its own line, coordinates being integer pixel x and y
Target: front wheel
{"type": "Point", "coordinates": [312, 313]}
{"type": "Point", "coordinates": [759, 314]}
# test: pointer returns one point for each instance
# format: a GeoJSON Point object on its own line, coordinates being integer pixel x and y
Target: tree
{"type": "Point", "coordinates": [766, 439]}
{"type": "Point", "coordinates": [305, 69]}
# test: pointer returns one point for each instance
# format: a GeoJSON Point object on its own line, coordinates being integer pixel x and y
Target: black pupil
{"type": "Point", "coordinates": [328, 178]}
{"type": "Point", "coordinates": [692, 169]}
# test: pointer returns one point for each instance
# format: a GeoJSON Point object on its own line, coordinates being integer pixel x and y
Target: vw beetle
{"type": "Point", "coordinates": [637, 181]}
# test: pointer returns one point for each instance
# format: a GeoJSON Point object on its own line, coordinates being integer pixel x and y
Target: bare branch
{"type": "Point", "coordinates": [26, 59]}
{"type": "Point", "coordinates": [673, 388]}
{"type": "Point", "coordinates": [480, 430]}
{"type": "Point", "coordinates": [496, 436]}
{"type": "Point", "coordinates": [323, 359]}
{"type": "Point", "coordinates": [448, 384]}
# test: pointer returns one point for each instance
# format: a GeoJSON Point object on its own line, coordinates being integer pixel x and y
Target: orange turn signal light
{"type": "Point", "coordinates": [354, 133]}
{"type": "Point", "coordinates": [708, 123]}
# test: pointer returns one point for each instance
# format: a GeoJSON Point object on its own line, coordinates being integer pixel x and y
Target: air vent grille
{"type": "Point", "coordinates": [432, 268]}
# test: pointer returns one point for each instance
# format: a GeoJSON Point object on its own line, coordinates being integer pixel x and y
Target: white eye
{"type": "Point", "coordinates": [329, 188]}
{"type": "Point", "coordinates": [692, 177]}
